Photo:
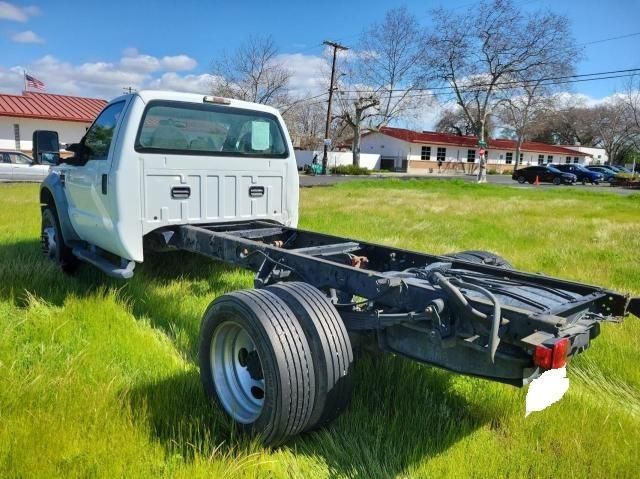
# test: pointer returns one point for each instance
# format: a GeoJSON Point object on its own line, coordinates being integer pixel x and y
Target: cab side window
{"type": "Point", "coordinates": [98, 138]}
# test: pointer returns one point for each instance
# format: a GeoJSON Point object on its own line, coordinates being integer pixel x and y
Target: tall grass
{"type": "Point", "coordinates": [98, 378]}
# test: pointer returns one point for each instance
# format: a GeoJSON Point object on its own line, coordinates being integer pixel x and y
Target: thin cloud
{"type": "Point", "coordinates": [28, 36]}
{"type": "Point", "coordinates": [16, 13]}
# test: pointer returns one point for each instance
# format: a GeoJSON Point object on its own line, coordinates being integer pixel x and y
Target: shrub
{"type": "Point", "coordinates": [349, 170]}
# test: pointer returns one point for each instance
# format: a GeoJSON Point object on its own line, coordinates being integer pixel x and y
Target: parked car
{"type": "Point", "coordinates": [606, 172]}
{"type": "Point", "coordinates": [584, 175]}
{"type": "Point", "coordinates": [16, 166]}
{"type": "Point", "coordinates": [545, 174]}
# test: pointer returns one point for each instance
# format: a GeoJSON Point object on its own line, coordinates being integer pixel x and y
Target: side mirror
{"type": "Point", "coordinates": [46, 147]}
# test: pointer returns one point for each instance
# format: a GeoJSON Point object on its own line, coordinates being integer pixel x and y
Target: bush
{"type": "Point", "coordinates": [492, 171]}
{"type": "Point", "coordinates": [349, 170]}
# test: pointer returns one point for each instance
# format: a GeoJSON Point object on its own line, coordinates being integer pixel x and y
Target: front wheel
{"type": "Point", "coordinates": [256, 364]}
{"type": "Point", "coordinates": [521, 179]}
{"type": "Point", "coordinates": [52, 242]}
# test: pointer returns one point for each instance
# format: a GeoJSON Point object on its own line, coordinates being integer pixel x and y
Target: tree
{"type": "Point", "coordinates": [614, 129]}
{"type": "Point", "coordinates": [491, 48]}
{"type": "Point", "coordinates": [567, 121]}
{"type": "Point", "coordinates": [382, 76]}
{"type": "Point", "coordinates": [252, 73]}
{"type": "Point", "coordinates": [454, 121]}
{"type": "Point", "coordinates": [305, 121]}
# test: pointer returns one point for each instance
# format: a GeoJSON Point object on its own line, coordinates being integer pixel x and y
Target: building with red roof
{"type": "Point", "coordinates": [21, 115]}
{"type": "Point", "coordinates": [412, 151]}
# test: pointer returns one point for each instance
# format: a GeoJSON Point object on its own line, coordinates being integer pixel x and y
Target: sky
{"type": "Point", "coordinates": [97, 49]}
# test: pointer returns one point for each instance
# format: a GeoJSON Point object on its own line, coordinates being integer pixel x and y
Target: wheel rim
{"type": "Point", "coordinates": [49, 243]}
{"type": "Point", "coordinates": [237, 372]}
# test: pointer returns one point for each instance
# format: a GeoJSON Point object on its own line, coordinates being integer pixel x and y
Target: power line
{"type": "Point", "coordinates": [514, 83]}
{"type": "Point", "coordinates": [420, 94]}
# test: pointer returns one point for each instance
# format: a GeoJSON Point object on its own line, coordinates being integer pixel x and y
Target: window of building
{"type": "Point", "coordinates": [425, 154]}
{"type": "Point", "coordinates": [576, 159]}
{"type": "Point", "coordinates": [471, 156]}
{"type": "Point", "coordinates": [541, 159]}
{"type": "Point", "coordinates": [568, 160]}
{"type": "Point", "coordinates": [550, 159]}
{"type": "Point", "coordinates": [16, 135]}
{"type": "Point", "coordinates": [521, 158]}
{"type": "Point", "coordinates": [509, 158]}
{"type": "Point", "coordinates": [441, 154]}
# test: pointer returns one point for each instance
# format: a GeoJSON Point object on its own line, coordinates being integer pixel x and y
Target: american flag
{"type": "Point", "coordinates": [34, 82]}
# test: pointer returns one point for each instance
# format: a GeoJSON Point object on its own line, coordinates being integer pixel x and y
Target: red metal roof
{"type": "Point", "coordinates": [47, 106]}
{"type": "Point", "coordinates": [432, 137]}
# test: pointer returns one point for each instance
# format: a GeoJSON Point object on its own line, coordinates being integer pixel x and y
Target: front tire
{"type": "Point", "coordinates": [52, 242]}
{"type": "Point", "coordinates": [521, 179]}
{"type": "Point", "coordinates": [256, 364]}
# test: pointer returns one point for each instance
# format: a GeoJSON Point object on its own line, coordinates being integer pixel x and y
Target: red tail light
{"type": "Point", "coordinates": [553, 357]}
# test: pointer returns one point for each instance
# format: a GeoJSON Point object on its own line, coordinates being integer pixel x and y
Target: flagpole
{"type": "Point", "coordinates": [24, 78]}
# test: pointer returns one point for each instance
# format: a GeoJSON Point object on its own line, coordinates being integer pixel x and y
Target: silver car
{"type": "Point", "coordinates": [16, 166]}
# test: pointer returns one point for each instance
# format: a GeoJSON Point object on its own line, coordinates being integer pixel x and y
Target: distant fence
{"type": "Point", "coordinates": [337, 158]}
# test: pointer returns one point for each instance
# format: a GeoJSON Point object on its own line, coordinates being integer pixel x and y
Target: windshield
{"type": "Point", "coordinates": [191, 128]}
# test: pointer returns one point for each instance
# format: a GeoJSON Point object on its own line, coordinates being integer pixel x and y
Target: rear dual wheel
{"type": "Point", "coordinates": [277, 360]}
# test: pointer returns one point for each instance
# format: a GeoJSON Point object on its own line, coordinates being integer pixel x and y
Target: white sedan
{"type": "Point", "coordinates": [16, 166]}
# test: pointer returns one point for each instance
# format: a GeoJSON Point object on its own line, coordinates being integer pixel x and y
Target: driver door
{"type": "Point", "coordinates": [87, 186]}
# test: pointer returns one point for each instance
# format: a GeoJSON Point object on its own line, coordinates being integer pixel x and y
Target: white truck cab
{"type": "Point", "coordinates": [155, 158]}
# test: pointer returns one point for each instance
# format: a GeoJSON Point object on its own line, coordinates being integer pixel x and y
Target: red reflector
{"type": "Point", "coordinates": [560, 352]}
{"type": "Point", "coordinates": [553, 357]}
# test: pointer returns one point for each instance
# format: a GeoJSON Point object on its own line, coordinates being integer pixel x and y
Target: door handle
{"type": "Point", "coordinates": [256, 191]}
{"type": "Point", "coordinates": [105, 183]}
{"type": "Point", "coordinates": [180, 192]}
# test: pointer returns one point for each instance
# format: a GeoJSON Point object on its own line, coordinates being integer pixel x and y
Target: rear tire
{"type": "Point", "coordinates": [557, 181]}
{"type": "Point", "coordinates": [330, 348]}
{"type": "Point", "coordinates": [52, 242]}
{"type": "Point", "coordinates": [256, 364]}
{"type": "Point", "coordinates": [482, 257]}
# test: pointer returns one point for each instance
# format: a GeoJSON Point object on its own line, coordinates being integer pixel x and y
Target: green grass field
{"type": "Point", "coordinates": [98, 378]}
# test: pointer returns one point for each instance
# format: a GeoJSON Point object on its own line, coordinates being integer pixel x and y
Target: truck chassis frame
{"type": "Point", "coordinates": [472, 318]}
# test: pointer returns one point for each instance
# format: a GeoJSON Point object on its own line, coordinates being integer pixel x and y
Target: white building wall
{"type": "Point", "coordinates": [598, 155]}
{"type": "Point", "coordinates": [68, 131]}
{"type": "Point", "coordinates": [388, 146]}
{"type": "Point", "coordinates": [337, 158]}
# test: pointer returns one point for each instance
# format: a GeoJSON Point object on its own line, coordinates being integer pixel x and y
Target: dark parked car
{"type": "Point", "coordinates": [545, 174]}
{"type": "Point", "coordinates": [606, 172]}
{"type": "Point", "coordinates": [583, 174]}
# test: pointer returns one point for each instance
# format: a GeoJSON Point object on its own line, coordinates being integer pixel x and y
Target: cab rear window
{"type": "Point", "coordinates": [193, 129]}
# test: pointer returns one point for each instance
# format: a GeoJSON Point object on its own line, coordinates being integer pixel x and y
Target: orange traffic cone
{"type": "Point", "coordinates": [537, 182]}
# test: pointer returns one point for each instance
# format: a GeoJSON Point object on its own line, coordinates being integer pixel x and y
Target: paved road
{"type": "Point", "coordinates": [307, 181]}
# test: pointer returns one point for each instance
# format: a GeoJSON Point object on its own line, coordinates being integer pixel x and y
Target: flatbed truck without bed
{"type": "Point", "coordinates": [216, 177]}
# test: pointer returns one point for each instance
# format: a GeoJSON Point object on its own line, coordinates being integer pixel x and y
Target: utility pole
{"type": "Point", "coordinates": [336, 47]}
{"type": "Point", "coordinates": [128, 90]}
